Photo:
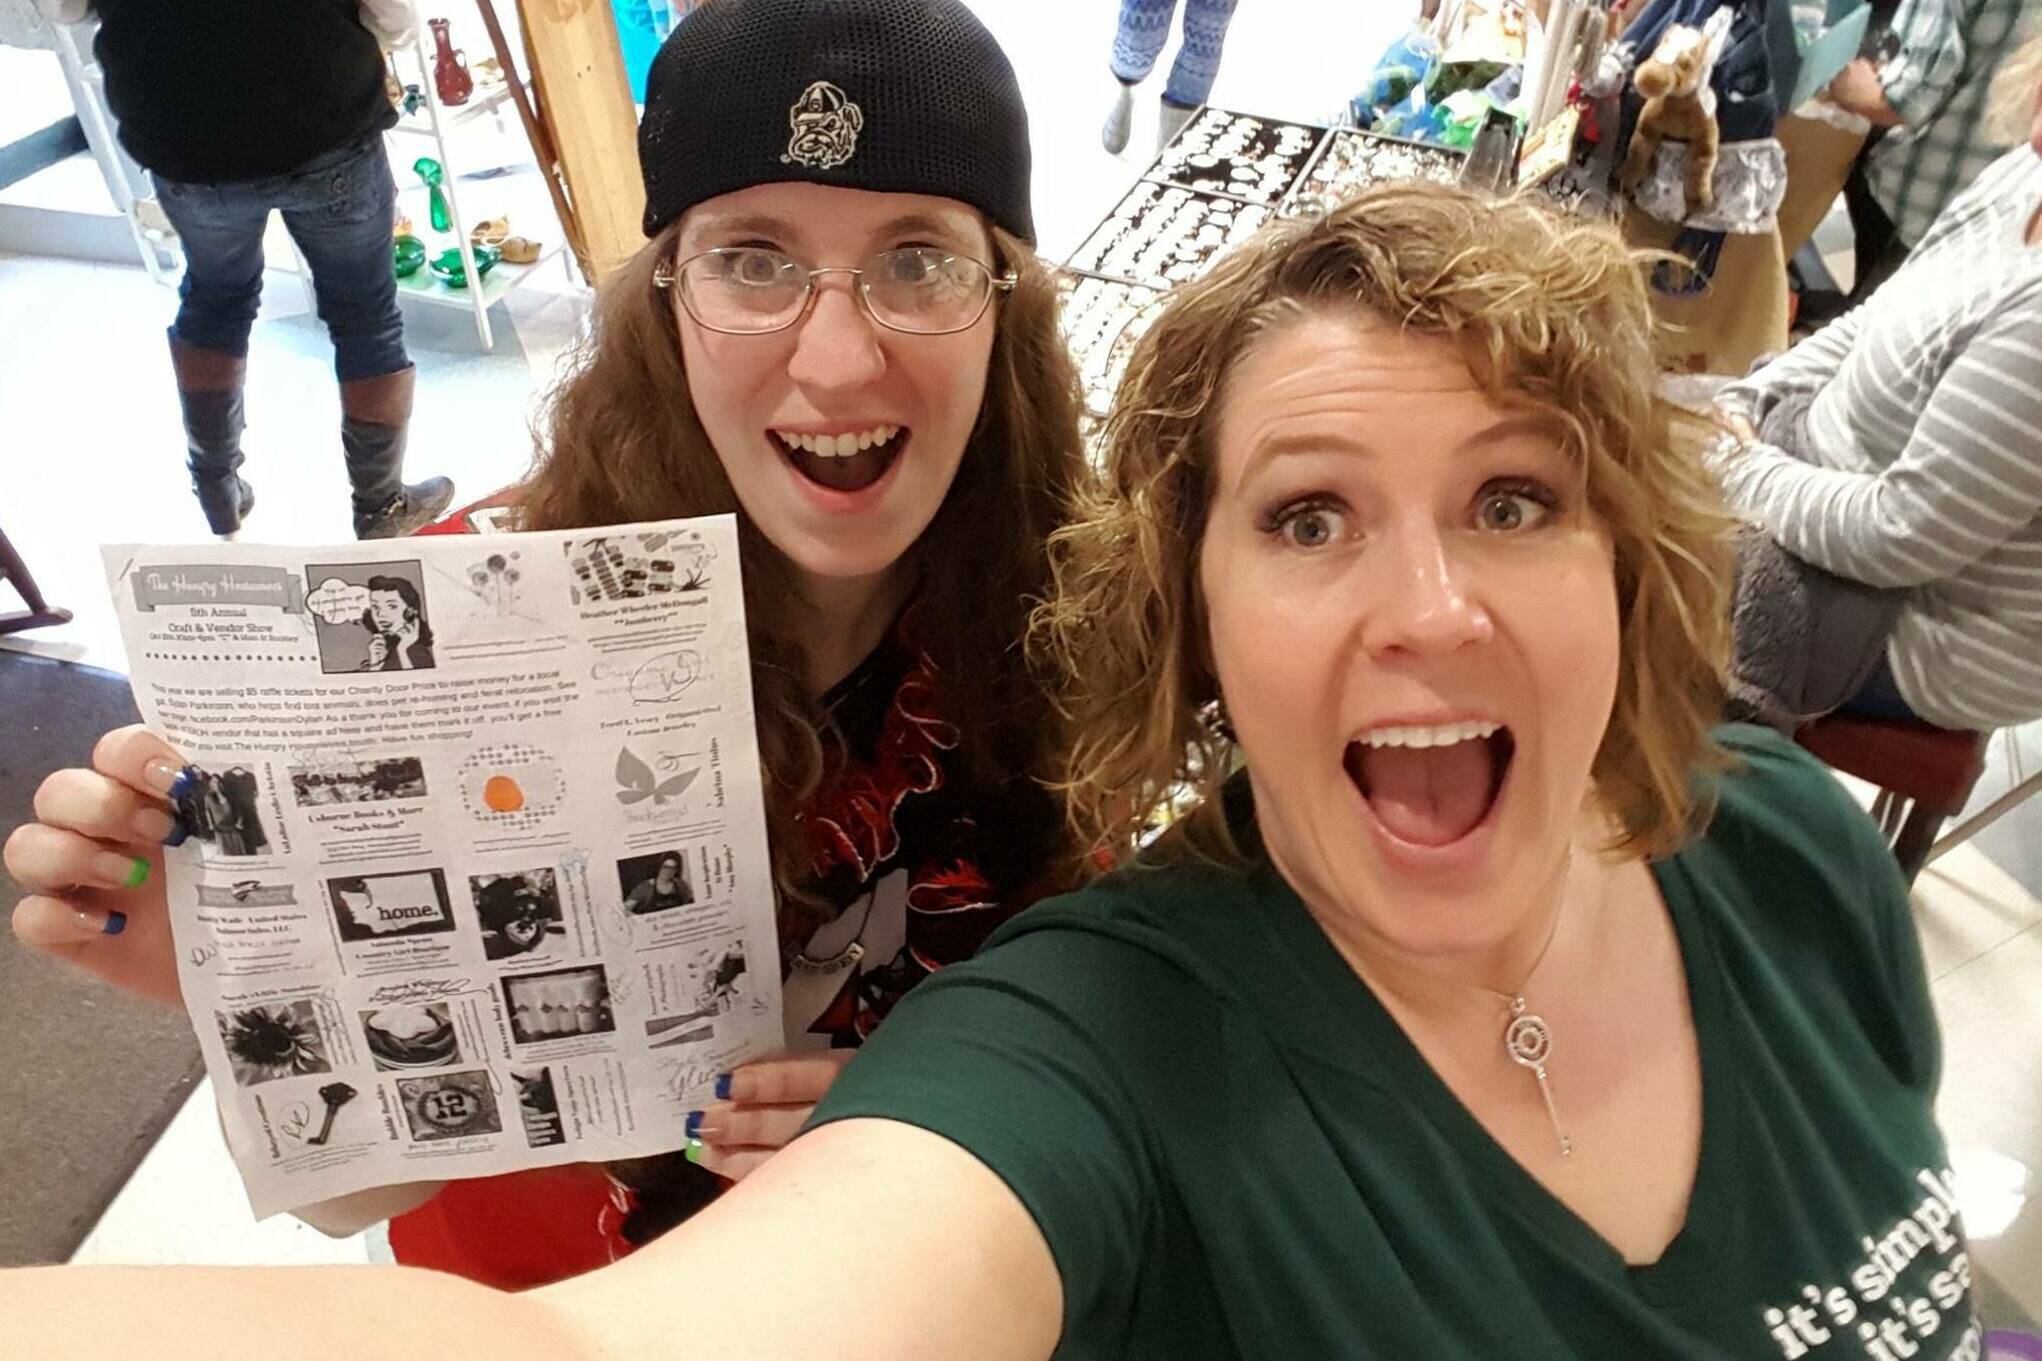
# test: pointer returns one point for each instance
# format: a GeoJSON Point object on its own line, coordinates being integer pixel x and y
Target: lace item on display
{"type": "Point", "coordinates": [1749, 184]}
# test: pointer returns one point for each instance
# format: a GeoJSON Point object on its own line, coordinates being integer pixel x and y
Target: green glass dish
{"type": "Point", "coordinates": [408, 254]}
{"type": "Point", "coordinates": [447, 265]}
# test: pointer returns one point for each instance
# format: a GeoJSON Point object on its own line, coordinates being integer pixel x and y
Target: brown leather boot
{"type": "Point", "coordinates": [374, 416]}
{"type": "Point", "coordinates": [209, 391]}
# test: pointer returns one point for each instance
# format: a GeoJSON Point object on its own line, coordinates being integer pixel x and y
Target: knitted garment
{"type": "Point", "coordinates": [895, 96]}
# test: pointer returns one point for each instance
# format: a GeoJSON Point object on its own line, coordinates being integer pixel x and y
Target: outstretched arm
{"type": "Point", "coordinates": [865, 1238]}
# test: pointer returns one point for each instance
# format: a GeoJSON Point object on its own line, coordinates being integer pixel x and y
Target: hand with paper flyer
{"type": "Point", "coordinates": [476, 876]}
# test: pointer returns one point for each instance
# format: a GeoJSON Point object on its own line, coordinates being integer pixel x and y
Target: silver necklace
{"type": "Point", "coordinates": [1529, 1040]}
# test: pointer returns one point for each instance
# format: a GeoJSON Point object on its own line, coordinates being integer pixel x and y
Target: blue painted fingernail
{"type": "Point", "coordinates": [723, 1086]}
{"type": "Point", "coordinates": [180, 830]}
{"type": "Point", "coordinates": [184, 785]}
{"type": "Point", "coordinates": [694, 1152]}
{"type": "Point", "coordinates": [116, 922]}
{"type": "Point", "coordinates": [693, 1129]}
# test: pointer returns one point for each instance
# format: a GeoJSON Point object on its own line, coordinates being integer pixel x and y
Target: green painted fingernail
{"type": "Point", "coordinates": [694, 1153]}
{"type": "Point", "coordinates": [138, 873]}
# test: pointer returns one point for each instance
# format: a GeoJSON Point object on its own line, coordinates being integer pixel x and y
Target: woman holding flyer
{"type": "Point", "coordinates": [839, 330]}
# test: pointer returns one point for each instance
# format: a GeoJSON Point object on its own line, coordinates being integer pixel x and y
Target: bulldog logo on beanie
{"type": "Point", "coordinates": [826, 126]}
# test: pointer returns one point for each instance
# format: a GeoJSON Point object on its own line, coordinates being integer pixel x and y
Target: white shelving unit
{"type": "Point", "coordinates": [434, 125]}
{"type": "Point", "coordinates": [133, 194]}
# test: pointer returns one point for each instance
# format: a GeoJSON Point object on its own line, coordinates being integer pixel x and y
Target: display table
{"type": "Point", "coordinates": [1227, 173]}
{"type": "Point", "coordinates": [1218, 180]}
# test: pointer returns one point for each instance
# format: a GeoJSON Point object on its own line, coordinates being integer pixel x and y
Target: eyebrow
{"type": "Point", "coordinates": [1302, 445]}
{"type": "Point", "coordinates": [754, 224]}
{"type": "Point", "coordinates": [924, 222]}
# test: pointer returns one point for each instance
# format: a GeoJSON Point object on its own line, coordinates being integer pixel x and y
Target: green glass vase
{"type": "Point", "coordinates": [435, 179]}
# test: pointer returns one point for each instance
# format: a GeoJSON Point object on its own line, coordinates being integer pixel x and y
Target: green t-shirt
{"type": "Point", "coordinates": [1233, 1150]}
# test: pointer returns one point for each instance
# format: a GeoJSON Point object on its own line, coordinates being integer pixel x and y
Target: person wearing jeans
{"type": "Point", "coordinates": [238, 107]}
{"type": "Point", "coordinates": [1144, 25]}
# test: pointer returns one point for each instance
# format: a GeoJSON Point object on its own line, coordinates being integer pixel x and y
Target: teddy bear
{"type": "Point", "coordinates": [1679, 107]}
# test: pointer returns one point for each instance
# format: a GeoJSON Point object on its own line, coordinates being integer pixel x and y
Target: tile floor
{"type": "Point", "coordinates": [86, 403]}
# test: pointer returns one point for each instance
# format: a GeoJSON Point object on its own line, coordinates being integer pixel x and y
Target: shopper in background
{"type": "Point", "coordinates": [1927, 104]}
{"type": "Point", "coordinates": [1901, 447]}
{"type": "Point", "coordinates": [239, 107]}
{"type": "Point", "coordinates": [839, 331]}
{"type": "Point", "coordinates": [1144, 26]}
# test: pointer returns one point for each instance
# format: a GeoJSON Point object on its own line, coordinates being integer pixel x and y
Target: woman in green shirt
{"type": "Point", "coordinates": [1494, 1007]}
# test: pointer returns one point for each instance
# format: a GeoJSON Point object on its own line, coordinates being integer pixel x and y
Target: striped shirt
{"type": "Point", "coordinates": [1923, 465]}
{"type": "Point", "coordinates": [1939, 82]}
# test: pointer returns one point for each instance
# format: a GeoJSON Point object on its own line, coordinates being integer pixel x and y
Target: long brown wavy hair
{"type": "Point", "coordinates": [620, 441]}
{"type": "Point", "coordinates": [1546, 310]}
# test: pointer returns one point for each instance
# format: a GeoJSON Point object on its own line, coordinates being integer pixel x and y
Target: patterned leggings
{"type": "Point", "coordinates": [1145, 24]}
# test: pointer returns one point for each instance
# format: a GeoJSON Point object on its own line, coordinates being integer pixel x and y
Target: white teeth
{"type": "Point", "coordinates": [843, 445]}
{"type": "Point", "coordinates": [1446, 735]}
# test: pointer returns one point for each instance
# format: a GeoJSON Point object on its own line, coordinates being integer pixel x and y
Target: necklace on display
{"type": "Point", "coordinates": [1529, 1040]}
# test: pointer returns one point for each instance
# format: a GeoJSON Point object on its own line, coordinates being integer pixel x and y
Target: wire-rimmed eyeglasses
{"type": "Point", "coordinates": [752, 290]}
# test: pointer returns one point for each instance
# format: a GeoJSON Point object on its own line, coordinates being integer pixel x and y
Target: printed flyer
{"type": "Point", "coordinates": [478, 877]}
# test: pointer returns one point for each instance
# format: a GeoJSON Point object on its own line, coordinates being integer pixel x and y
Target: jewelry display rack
{"type": "Point", "coordinates": [1223, 176]}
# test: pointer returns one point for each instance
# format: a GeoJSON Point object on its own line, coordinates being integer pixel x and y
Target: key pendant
{"type": "Point", "coordinates": [1529, 1042]}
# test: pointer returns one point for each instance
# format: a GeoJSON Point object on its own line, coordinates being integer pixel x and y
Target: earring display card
{"type": "Point", "coordinates": [1102, 319]}
{"type": "Point", "coordinates": [1239, 154]}
{"type": "Point", "coordinates": [1353, 160]}
{"type": "Point", "coordinates": [1161, 234]}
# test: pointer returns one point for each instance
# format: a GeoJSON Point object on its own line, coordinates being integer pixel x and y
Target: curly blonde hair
{"type": "Point", "coordinates": [1549, 312]}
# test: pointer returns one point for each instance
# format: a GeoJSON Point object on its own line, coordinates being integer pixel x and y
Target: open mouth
{"type": "Point", "coordinates": [849, 461]}
{"type": "Point", "coordinates": [1431, 786]}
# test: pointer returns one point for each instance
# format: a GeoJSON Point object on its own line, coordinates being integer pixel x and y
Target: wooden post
{"type": "Point", "coordinates": [585, 101]}
{"type": "Point", "coordinates": [538, 136]}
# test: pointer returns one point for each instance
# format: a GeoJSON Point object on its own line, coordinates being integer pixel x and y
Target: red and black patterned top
{"type": "Point", "coordinates": [920, 863]}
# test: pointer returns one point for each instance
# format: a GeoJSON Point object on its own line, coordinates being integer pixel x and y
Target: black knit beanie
{"type": "Point", "coordinates": [897, 96]}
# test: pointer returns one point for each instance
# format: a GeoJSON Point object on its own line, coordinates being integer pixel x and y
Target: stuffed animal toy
{"type": "Point", "coordinates": [1679, 107]}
